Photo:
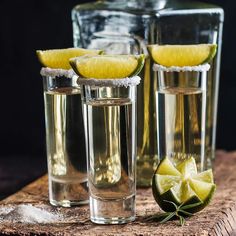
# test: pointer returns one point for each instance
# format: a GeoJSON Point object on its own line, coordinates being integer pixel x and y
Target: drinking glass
{"type": "Point", "coordinates": [66, 153]}
{"type": "Point", "coordinates": [110, 130]}
{"type": "Point", "coordinates": [181, 121]}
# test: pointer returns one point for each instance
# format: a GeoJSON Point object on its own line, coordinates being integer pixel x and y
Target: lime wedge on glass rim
{"type": "Point", "coordinates": [107, 66]}
{"type": "Point", "coordinates": [182, 184]}
{"type": "Point", "coordinates": [182, 55]}
{"type": "Point", "coordinates": [59, 58]}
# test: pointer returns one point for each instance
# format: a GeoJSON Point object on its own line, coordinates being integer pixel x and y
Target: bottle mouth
{"type": "Point", "coordinates": [154, 5]}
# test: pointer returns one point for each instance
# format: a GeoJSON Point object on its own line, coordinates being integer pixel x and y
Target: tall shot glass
{"type": "Point", "coordinates": [66, 152]}
{"type": "Point", "coordinates": [110, 130]}
{"type": "Point", "coordinates": [181, 120]}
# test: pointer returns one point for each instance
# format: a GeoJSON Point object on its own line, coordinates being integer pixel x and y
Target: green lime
{"type": "Point", "coordinates": [59, 58]}
{"type": "Point", "coordinates": [182, 55]}
{"type": "Point", "coordinates": [107, 66]}
{"type": "Point", "coordinates": [182, 184]}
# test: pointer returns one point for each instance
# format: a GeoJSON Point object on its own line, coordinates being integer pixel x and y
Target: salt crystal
{"type": "Point", "coordinates": [124, 82]}
{"type": "Point", "coordinates": [199, 68]}
{"type": "Point", "coordinates": [46, 71]}
{"type": "Point", "coordinates": [29, 214]}
{"type": "Point", "coordinates": [5, 210]}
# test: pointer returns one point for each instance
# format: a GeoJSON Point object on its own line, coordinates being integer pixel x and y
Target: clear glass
{"type": "Point", "coordinates": [66, 153]}
{"type": "Point", "coordinates": [127, 27]}
{"type": "Point", "coordinates": [109, 115]}
{"type": "Point", "coordinates": [181, 120]}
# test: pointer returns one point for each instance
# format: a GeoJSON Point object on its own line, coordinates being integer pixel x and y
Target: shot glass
{"type": "Point", "coordinates": [110, 130]}
{"type": "Point", "coordinates": [66, 152]}
{"type": "Point", "coordinates": [181, 113]}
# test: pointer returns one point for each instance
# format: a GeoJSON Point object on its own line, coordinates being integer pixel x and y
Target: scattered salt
{"type": "Point", "coordinates": [28, 214]}
{"type": "Point", "coordinates": [5, 210]}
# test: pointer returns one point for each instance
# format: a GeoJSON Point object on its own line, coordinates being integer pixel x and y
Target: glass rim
{"type": "Point", "coordinates": [199, 68]}
{"type": "Point", "coordinates": [121, 82]}
{"type": "Point", "coordinates": [53, 73]}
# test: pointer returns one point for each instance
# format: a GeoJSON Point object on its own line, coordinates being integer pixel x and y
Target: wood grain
{"type": "Point", "coordinates": [219, 218]}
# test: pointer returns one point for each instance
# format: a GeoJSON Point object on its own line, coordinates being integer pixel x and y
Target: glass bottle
{"type": "Point", "coordinates": [123, 27]}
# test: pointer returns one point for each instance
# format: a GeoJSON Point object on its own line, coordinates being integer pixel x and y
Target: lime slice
{"type": "Point", "coordinates": [182, 55]}
{"type": "Point", "coordinates": [167, 168]}
{"type": "Point", "coordinates": [107, 66]}
{"type": "Point", "coordinates": [206, 176]}
{"type": "Point", "coordinates": [187, 192]}
{"type": "Point", "coordinates": [59, 58]}
{"type": "Point", "coordinates": [182, 185]}
{"type": "Point", "coordinates": [202, 189]}
{"type": "Point", "coordinates": [188, 167]}
{"type": "Point", "coordinates": [165, 182]}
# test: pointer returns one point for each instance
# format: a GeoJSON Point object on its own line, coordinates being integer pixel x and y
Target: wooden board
{"type": "Point", "coordinates": [219, 218]}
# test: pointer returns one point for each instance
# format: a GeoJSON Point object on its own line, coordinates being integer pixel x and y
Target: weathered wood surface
{"type": "Point", "coordinates": [219, 218]}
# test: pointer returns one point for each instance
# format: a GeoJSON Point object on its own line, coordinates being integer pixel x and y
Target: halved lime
{"type": "Point", "coordinates": [107, 66]}
{"type": "Point", "coordinates": [182, 184]}
{"type": "Point", "coordinates": [59, 58]}
{"type": "Point", "coordinates": [182, 55]}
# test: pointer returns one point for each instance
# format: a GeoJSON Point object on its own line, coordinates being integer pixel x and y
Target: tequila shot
{"type": "Point", "coordinates": [110, 130]}
{"type": "Point", "coordinates": [181, 121]}
{"type": "Point", "coordinates": [66, 153]}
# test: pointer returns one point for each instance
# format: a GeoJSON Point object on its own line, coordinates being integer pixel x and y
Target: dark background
{"type": "Point", "coordinates": [44, 24]}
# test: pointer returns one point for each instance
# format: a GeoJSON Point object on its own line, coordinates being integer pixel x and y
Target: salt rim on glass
{"type": "Point", "coordinates": [116, 82]}
{"type": "Point", "coordinates": [46, 71]}
{"type": "Point", "coordinates": [199, 68]}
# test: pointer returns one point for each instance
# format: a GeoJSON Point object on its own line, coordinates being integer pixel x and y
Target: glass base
{"type": "Point", "coordinates": [112, 211]}
{"type": "Point", "coordinates": [67, 203]}
{"type": "Point", "coordinates": [66, 193]}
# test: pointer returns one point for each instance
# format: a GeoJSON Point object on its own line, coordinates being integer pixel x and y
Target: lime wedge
{"type": "Point", "coordinates": [202, 189]}
{"type": "Point", "coordinates": [182, 55]}
{"type": "Point", "coordinates": [206, 176]}
{"type": "Point", "coordinates": [182, 185]}
{"type": "Point", "coordinates": [188, 167]}
{"type": "Point", "coordinates": [165, 182]}
{"type": "Point", "coordinates": [167, 168]}
{"type": "Point", "coordinates": [187, 192]}
{"type": "Point", "coordinates": [59, 58]}
{"type": "Point", "coordinates": [107, 66]}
